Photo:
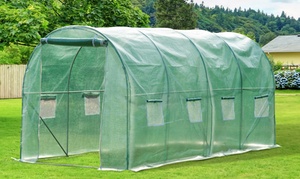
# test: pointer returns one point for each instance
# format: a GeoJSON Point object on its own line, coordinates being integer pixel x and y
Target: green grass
{"type": "Point", "coordinates": [288, 92]}
{"type": "Point", "coordinates": [283, 162]}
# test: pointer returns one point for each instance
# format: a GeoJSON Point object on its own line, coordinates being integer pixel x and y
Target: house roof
{"type": "Point", "coordinates": [286, 43]}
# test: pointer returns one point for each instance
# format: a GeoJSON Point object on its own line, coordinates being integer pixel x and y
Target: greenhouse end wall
{"type": "Point", "coordinates": [157, 96]}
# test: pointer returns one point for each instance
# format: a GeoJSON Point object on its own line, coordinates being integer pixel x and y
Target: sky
{"type": "Point", "coordinates": [275, 7]}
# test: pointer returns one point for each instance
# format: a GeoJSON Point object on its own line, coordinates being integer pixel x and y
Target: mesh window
{"type": "Point", "coordinates": [47, 107]}
{"type": "Point", "coordinates": [92, 104]}
{"type": "Point", "coordinates": [261, 106]}
{"type": "Point", "coordinates": [155, 115]}
{"type": "Point", "coordinates": [228, 108]}
{"type": "Point", "coordinates": [194, 109]}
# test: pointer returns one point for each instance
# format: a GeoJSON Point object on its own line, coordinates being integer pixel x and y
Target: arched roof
{"type": "Point", "coordinates": [168, 47]}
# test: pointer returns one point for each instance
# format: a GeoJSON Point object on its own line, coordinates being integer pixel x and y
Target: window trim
{"type": "Point", "coordinates": [43, 100]}
{"type": "Point", "coordinates": [224, 111]}
{"type": "Point", "coordinates": [91, 95]}
{"type": "Point", "coordinates": [256, 98]}
{"type": "Point", "coordinates": [159, 111]}
{"type": "Point", "coordinates": [190, 111]}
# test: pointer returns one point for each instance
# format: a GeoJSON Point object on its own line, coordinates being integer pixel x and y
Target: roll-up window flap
{"type": "Point", "coordinates": [90, 94]}
{"type": "Point", "coordinates": [263, 96]}
{"type": "Point", "coordinates": [193, 99]}
{"type": "Point", "coordinates": [89, 42]}
{"type": "Point", "coordinates": [154, 100]}
{"type": "Point", "coordinates": [48, 97]}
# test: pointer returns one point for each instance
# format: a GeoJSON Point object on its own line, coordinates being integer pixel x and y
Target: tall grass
{"type": "Point", "coordinates": [283, 162]}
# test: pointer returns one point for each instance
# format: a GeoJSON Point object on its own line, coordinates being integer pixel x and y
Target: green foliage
{"type": "Point", "coordinates": [125, 15]}
{"type": "Point", "coordinates": [25, 22]}
{"type": "Point", "coordinates": [275, 163]}
{"type": "Point", "coordinates": [149, 9]}
{"type": "Point", "coordinates": [275, 65]}
{"type": "Point", "coordinates": [22, 23]}
{"type": "Point", "coordinates": [255, 24]}
{"type": "Point", "coordinates": [176, 14]}
{"type": "Point", "coordinates": [265, 38]}
{"type": "Point", "coordinates": [139, 3]}
{"type": "Point", "coordinates": [147, 6]}
{"type": "Point", "coordinates": [15, 54]}
{"type": "Point", "coordinates": [100, 13]}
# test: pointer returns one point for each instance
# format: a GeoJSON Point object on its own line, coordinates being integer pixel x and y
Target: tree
{"type": "Point", "coordinates": [176, 14]}
{"type": "Point", "coordinates": [22, 23]}
{"type": "Point", "coordinates": [25, 22]}
{"type": "Point", "coordinates": [266, 38]}
{"type": "Point", "coordinates": [15, 54]}
{"type": "Point", "coordinates": [122, 13]}
{"type": "Point", "coordinates": [240, 30]}
{"type": "Point", "coordinates": [104, 13]}
{"type": "Point", "coordinates": [272, 25]}
{"type": "Point", "coordinates": [139, 3]}
{"type": "Point", "coordinates": [287, 29]}
{"type": "Point", "coordinates": [149, 9]}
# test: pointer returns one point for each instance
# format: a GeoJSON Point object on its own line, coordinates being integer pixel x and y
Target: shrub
{"type": "Point", "coordinates": [275, 65]}
{"type": "Point", "coordinates": [287, 79]}
{"type": "Point", "coordinates": [15, 54]}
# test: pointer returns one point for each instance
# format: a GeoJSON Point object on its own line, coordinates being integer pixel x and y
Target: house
{"type": "Point", "coordinates": [285, 49]}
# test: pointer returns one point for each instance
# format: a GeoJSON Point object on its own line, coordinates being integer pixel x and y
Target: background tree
{"type": "Point", "coordinates": [257, 25]}
{"type": "Point", "coordinates": [23, 23]}
{"type": "Point", "coordinates": [147, 6]}
{"type": "Point", "coordinates": [104, 13]}
{"type": "Point", "coordinates": [176, 14]}
{"type": "Point", "coordinates": [264, 39]}
{"type": "Point", "coordinates": [139, 3]}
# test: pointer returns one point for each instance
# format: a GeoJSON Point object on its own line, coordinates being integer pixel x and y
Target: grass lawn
{"type": "Point", "coordinates": [283, 162]}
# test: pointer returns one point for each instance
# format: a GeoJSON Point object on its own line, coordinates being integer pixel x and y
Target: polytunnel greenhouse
{"type": "Point", "coordinates": [146, 97]}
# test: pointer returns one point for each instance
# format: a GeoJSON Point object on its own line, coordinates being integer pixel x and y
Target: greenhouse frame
{"type": "Point", "coordinates": [146, 97]}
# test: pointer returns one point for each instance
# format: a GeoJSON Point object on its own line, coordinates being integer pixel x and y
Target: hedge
{"type": "Point", "coordinates": [287, 79]}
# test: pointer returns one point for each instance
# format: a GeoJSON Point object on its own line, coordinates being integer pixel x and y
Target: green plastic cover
{"type": "Point", "coordinates": [146, 97]}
